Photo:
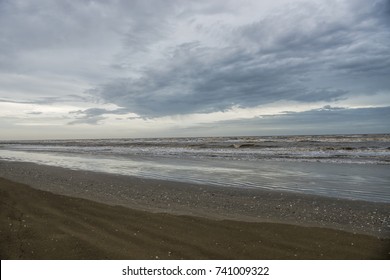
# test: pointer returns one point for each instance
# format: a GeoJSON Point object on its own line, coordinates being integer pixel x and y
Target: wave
{"type": "Point", "coordinates": [363, 149]}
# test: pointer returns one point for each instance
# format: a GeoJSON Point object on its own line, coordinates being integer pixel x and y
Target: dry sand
{"type": "Point", "coordinates": [87, 215]}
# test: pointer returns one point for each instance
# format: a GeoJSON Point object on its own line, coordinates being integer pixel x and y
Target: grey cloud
{"type": "Point", "coordinates": [91, 120]}
{"type": "Point", "coordinates": [327, 120]}
{"type": "Point", "coordinates": [74, 38]}
{"type": "Point", "coordinates": [90, 112]}
{"type": "Point", "coordinates": [45, 24]}
{"type": "Point", "coordinates": [159, 58]}
{"type": "Point", "coordinates": [299, 54]}
{"type": "Point", "coordinates": [45, 100]}
{"type": "Point", "coordinates": [34, 113]}
{"type": "Point", "coordinates": [188, 84]}
{"type": "Point", "coordinates": [321, 95]}
{"type": "Point", "coordinates": [331, 108]}
{"type": "Point", "coordinates": [98, 112]}
{"type": "Point", "coordinates": [93, 115]}
{"type": "Point", "coordinates": [364, 120]}
{"type": "Point", "coordinates": [13, 101]}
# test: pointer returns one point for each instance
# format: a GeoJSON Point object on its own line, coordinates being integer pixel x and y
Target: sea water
{"type": "Point", "coordinates": [343, 166]}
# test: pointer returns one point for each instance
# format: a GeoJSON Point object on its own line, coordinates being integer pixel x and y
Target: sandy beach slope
{"type": "Point", "coordinates": [212, 202]}
{"type": "Point", "coordinates": [38, 224]}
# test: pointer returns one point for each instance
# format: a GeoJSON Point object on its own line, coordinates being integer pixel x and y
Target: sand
{"type": "Point", "coordinates": [86, 215]}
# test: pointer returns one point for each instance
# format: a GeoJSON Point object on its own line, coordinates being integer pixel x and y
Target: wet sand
{"type": "Point", "coordinates": [68, 214]}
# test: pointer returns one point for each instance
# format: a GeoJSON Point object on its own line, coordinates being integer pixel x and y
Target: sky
{"type": "Point", "coordinates": [173, 68]}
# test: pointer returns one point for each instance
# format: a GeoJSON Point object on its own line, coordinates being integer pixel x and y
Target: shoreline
{"type": "Point", "coordinates": [38, 224]}
{"type": "Point", "coordinates": [211, 202]}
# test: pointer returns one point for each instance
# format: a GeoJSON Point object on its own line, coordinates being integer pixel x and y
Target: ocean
{"type": "Point", "coordinates": [343, 166]}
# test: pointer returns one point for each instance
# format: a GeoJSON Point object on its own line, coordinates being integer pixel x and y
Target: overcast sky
{"type": "Point", "coordinates": [99, 69]}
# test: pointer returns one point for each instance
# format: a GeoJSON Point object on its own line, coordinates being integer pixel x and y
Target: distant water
{"type": "Point", "coordinates": [345, 166]}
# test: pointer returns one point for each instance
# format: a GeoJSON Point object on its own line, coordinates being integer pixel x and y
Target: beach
{"type": "Point", "coordinates": [195, 130]}
{"type": "Point", "coordinates": [56, 213]}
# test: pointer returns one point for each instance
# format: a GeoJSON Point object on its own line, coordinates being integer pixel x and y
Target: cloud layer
{"type": "Point", "coordinates": [107, 62]}
{"type": "Point", "coordinates": [305, 52]}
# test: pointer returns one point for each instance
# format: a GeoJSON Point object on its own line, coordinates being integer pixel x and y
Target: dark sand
{"type": "Point", "coordinates": [71, 214]}
{"type": "Point", "coordinates": [40, 225]}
